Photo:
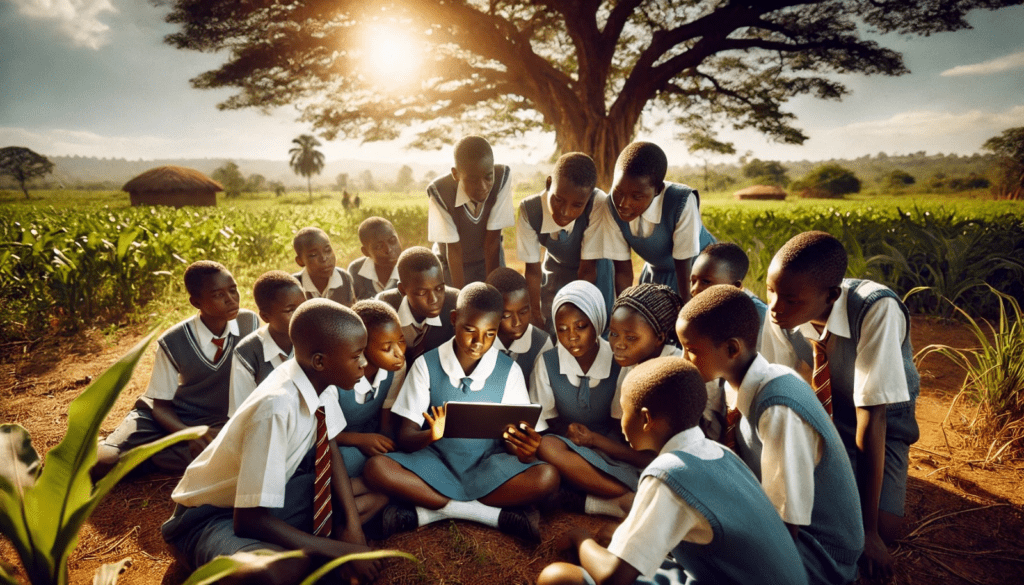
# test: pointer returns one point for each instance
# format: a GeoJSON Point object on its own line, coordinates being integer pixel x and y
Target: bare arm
{"type": "Point", "coordinates": [455, 264]}
{"type": "Point", "coordinates": [165, 416]}
{"type": "Point", "coordinates": [871, 426]}
{"type": "Point", "coordinates": [623, 275]}
{"type": "Point", "coordinates": [623, 452]}
{"type": "Point", "coordinates": [683, 276]}
{"type": "Point", "coordinates": [492, 250]}
{"type": "Point", "coordinates": [346, 520]}
{"type": "Point", "coordinates": [603, 566]}
{"type": "Point", "coordinates": [411, 438]}
{"type": "Point", "coordinates": [588, 271]}
{"type": "Point", "coordinates": [533, 278]}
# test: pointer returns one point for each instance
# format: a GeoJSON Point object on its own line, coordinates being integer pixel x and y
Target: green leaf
{"type": "Point", "coordinates": [108, 573]}
{"type": "Point", "coordinates": [221, 567]}
{"type": "Point", "coordinates": [366, 556]}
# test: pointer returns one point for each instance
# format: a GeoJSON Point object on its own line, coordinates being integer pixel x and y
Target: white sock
{"type": "Point", "coordinates": [455, 510]}
{"type": "Point", "coordinates": [605, 506]}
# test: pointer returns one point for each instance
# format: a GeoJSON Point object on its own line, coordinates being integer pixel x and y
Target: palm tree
{"type": "Point", "coordinates": [306, 159]}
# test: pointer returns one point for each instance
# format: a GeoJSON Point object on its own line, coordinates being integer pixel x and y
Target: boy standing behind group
{"type": "Point", "coordinates": [320, 276]}
{"type": "Point", "coordinates": [467, 210]}
{"type": "Point", "coordinates": [377, 270]}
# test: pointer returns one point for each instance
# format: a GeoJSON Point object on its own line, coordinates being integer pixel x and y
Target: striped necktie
{"type": "Point", "coordinates": [732, 418]}
{"type": "Point", "coordinates": [821, 379]}
{"type": "Point", "coordinates": [219, 342]}
{"type": "Point", "coordinates": [322, 523]}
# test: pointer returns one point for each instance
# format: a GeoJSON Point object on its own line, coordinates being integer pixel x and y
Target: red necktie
{"type": "Point", "coordinates": [821, 379]}
{"type": "Point", "coordinates": [322, 484]}
{"type": "Point", "coordinates": [219, 342]}
{"type": "Point", "coordinates": [732, 418]}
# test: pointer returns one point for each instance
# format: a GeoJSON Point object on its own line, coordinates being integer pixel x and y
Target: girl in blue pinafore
{"type": "Point", "coordinates": [575, 384]}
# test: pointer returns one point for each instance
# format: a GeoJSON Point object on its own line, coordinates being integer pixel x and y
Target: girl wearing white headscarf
{"type": "Point", "coordinates": [575, 384]}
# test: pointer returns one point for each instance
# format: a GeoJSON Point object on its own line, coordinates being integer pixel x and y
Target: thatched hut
{"type": "Point", "coordinates": [761, 192]}
{"type": "Point", "coordinates": [174, 186]}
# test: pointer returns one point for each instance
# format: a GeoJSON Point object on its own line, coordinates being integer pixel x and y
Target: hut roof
{"type": "Point", "coordinates": [172, 178]}
{"type": "Point", "coordinates": [761, 190]}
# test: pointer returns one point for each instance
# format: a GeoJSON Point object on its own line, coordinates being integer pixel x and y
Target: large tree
{"type": "Point", "coordinates": [586, 69]}
{"type": "Point", "coordinates": [1009, 147]}
{"type": "Point", "coordinates": [23, 165]}
{"type": "Point", "coordinates": [306, 160]}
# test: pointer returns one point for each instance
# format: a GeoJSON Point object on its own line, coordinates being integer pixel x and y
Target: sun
{"type": "Point", "coordinates": [391, 57]}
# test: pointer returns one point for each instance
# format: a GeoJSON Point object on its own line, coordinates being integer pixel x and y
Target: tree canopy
{"type": "Point", "coordinates": [23, 165]}
{"type": "Point", "coordinates": [829, 181]}
{"type": "Point", "coordinates": [766, 172]}
{"type": "Point", "coordinates": [1009, 147]}
{"type": "Point", "coordinates": [230, 177]}
{"type": "Point", "coordinates": [588, 70]}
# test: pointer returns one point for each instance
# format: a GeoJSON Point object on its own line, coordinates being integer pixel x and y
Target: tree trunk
{"type": "Point", "coordinates": [24, 189]}
{"type": "Point", "coordinates": [603, 141]}
{"type": "Point", "coordinates": [309, 187]}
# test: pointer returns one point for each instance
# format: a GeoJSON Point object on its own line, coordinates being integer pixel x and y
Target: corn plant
{"type": "Point", "coordinates": [994, 373]}
{"type": "Point", "coordinates": [43, 507]}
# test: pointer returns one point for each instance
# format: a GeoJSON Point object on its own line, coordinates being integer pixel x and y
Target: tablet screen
{"type": "Point", "coordinates": [486, 420]}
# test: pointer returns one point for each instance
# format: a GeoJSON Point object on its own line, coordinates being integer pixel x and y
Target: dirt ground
{"type": "Point", "coordinates": [964, 523]}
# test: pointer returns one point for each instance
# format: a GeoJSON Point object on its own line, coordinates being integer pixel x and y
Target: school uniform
{"type": "Point", "coordinates": [262, 458]}
{"type": "Point", "coordinates": [361, 407]}
{"type": "Point", "coordinates": [669, 229]}
{"type": "Point", "coordinates": [557, 386]}
{"type": "Point", "coordinates": [700, 503]}
{"type": "Point", "coordinates": [422, 336]}
{"type": "Point", "coordinates": [536, 228]}
{"type": "Point", "coordinates": [339, 287]}
{"type": "Point", "coordinates": [365, 282]}
{"type": "Point", "coordinates": [185, 373]}
{"type": "Point", "coordinates": [453, 217]}
{"type": "Point", "coordinates": [787, 439]}
{"type": "Point", "coordinates": [460, 469]}
{"type": "Point", "coordinates": [871, 362]}
{"type": "Point", "coordinates": [255, 356]}
{"type": "Point", "coordinates": [524, 351]}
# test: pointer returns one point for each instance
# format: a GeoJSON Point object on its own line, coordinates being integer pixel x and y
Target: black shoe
{"type": "Point", "coordinates": [566, 498]}
{"type": "Point", "coordinates": [520, 522]}
{"type": "Point", "coordinates": [395, 518]}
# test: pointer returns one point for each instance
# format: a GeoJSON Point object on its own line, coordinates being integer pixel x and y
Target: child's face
{"type": "Point", "coordinates": [795, 298]}
{"type": "Point", "coordinates": [632, 195]}
{"type": "Point", "coordinates": [632, 338]}
{"type": "Point", "coordinates": [708, 272]}
{"type": "Point", "coordinates": [425, 291]}
{"type": "Point", "coordinates": [515, 319]}
{"type": "Point", "coordinates": [316, 256]}
{"type": "Point", "coordinates": [383, 247]}
{"type": "Point", "coordinates": [279, 315]}
{"type": "Point", "coordinates": [566, 200]}
{"type": "Point", "coordinates": [345, 362]}
{"type": "Point", "coordinates": [218, 298]}
{"type": "Point", "coordinates": [711, 360]}
{"type": "Point", "coordinates": [385, 346]}
{"type": "Point", "coordinates": [476, 177]}
{"type": "Point", "coordinates": [475, 331]}
{"type": "Point", "coordinates": [575, 331]}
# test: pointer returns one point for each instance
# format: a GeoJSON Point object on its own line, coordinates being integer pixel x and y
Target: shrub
{"type": "Point", "coordinates": [828, 181]}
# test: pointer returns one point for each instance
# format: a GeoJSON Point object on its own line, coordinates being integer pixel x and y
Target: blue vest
{"type": "Point", "coordinates": [202, 394]}
{"type": "Point", "coordinates": [597, 414]}
{"type": "Point", "coordinates": [364, 418]}
{"type": "Point", "coordinates": [750, 542]}
{"type": "Point", "coordinates": [471, 229]}
{"type": "Point", "coordinates": [528, 357]}
{"type": "Point", "coordinates": [249, 353]}
{"type": "Point", "coordinates": [901, 424]}
{"type": "Point", "coordinates": [836, 524]}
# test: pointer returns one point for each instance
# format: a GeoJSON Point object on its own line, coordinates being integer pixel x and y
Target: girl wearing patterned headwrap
{"type": "Point", "coordinates": [575, 384]}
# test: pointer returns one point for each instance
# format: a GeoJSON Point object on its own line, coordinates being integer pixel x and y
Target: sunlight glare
{"type": "Point", "coordinates": [391, 57]}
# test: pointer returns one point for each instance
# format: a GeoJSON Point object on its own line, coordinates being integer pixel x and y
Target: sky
{"type": "Point", "coordinates": [94, 78]}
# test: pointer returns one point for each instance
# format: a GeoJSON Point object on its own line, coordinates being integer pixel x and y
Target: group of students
{"type": "Point", "coordinates": [754, 442]}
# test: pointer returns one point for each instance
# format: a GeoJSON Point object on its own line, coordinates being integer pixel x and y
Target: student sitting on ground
{"type": "Point", "coordinates": [781, 431]}
{"type": "Point", "coordinates": [697, 501]}
{"type": "Point", "coordinates": [575, 384]}
{"type": "Point", "coordinates": [277, 295]}
{"type": "Point", "coordinates": [851, 339]}
{"type": "Point", "coordinates": [320, 277]}
{"type": "Point", "coordinates": [191, 371]}
{"type": "Point", "coordinates": [377, 270]}
{"type": "Point", "coordinates": [273, 479]}
{"type": "Point", "coordinates": [422, 301]}
{"type": "Point", "coordinates": [468, 479]}
{"type": "Point", "coordinates": [723, 263]}
{"type": "Point", "coordinates": [517, 337]}
{"type": "Point", "coordinates": [467, 210]}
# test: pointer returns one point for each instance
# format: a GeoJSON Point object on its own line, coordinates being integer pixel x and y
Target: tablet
{"type": "Point", "coordinates": [486, 420]}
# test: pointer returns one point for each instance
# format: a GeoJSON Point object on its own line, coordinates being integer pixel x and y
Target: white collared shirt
{"type": "Point", "coordinates": [164, 381]}
{"type": "Point", "coordinates": [441, 227]}
{"type": "Point", "coordinates": [369, 272]}
{"type": "Point", "coordinates": [259, 449]}
{"type": "Point", "coordinates": [408, 322]}
{"type": "Point", "coordinates": [307, 284]}
{"type": "Point", "coordinates": [528, 240]}
{"type": "Point", "coordinates": [668, 350]}
{"type": "Point", "coordinates": [789, 447]}
{"type": "Point", "coordinates": [364, 386]}
{"type": "Point", "coordinates": [523, 344]}
{"type": "Point", "coordinates": [414, 399]}
{"type": "Point", "coordinates": [540, 382]}
{"type": "Point", "coordinates": [660, 519]}
{"type": "Point", "coordinates": [878, 376]}
{"type": "Point", "coordinates": [603, 237]}
{"type": "Point", "coordinates": [242, 381]}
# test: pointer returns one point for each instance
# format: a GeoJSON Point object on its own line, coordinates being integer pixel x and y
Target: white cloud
{"type": "Point", "coordinates": [79, 20]}
{"type": "Point", "coordinates": [992, 66]}
{"type": "Point", "coordinates": [934, 124]}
